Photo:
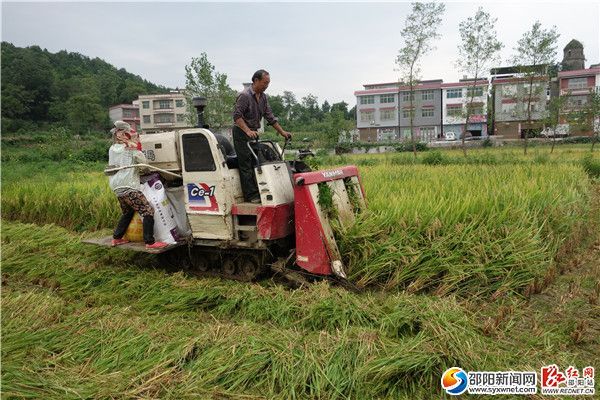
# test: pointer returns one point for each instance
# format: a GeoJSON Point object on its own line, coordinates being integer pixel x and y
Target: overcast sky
{"type": "Point", "coordinates": [327, 49]}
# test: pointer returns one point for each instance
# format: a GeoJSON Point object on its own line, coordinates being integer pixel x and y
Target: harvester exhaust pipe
{"type": "Point", "coordinates": [199, 104]}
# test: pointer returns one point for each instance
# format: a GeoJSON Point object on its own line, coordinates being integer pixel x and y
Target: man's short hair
{"type": "Point", "coordinates": [258, 75]}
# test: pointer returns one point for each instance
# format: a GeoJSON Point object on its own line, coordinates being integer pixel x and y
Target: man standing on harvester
{"type": "Point", "coordinates": [250, 107]}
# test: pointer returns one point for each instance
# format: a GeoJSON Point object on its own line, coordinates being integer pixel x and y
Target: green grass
{"type": "Point", "coordinates": [459, 247]}
{"type": "Point", "coordinates": [80, 321]}
{"type": "Point", "coordinates": [456, 229]}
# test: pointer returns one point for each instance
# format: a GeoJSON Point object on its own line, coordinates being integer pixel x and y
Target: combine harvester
{"type": "Point", "coordinates": [290, 232]}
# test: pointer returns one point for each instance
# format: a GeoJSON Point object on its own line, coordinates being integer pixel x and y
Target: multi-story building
{"type": "Point", "coordinates": [377, 112]}
{"type": "Point", "coordinates": [577, 86]}
{"type": "Point", "coordinates": [129, 113]}
{"type": "Point", "coordinates": [427, 111]}
{"type": "Point", "coordinates": [456, 97]}
{"type": "Point", "coordinates": [384, 111]}
{"type": "Point", "coordinates": [511, 98]}
{"type": "Point", "coordinates": [161, 112]}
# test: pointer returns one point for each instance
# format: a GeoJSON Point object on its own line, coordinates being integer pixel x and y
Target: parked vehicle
{"type": "Point", "coordinates": [561, 131]}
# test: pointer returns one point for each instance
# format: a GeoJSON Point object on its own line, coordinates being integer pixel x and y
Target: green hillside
{"type": "Point", "coordinates": [41, 88]}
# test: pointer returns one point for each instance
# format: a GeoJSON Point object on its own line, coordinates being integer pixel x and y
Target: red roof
{"type": "Point", "coordinates": [123, 106]}
{"type": "Point", "coordinates": [579, 72]}
{"type": "Point", "coordinates": [375, 91]}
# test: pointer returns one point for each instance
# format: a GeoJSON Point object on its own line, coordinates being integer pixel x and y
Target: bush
{"type": "Point", "coordinates": [343, 148]}
{"type": "Point", "coordinates": [591, 166]}
{"type": "Point", "coordinates": [97, 151]}
{"type": "Point", "coordinates": [434, 158]}
{"type": "Point", "coordinates": [576, 140]}
{"type": "Point", "coordinates": [408, 146]}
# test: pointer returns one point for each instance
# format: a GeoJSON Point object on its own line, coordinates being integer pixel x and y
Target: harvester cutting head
{"type": "Point", "coordinates": [324, 200]}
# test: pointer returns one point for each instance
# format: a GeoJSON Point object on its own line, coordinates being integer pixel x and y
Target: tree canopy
{"type": "Point", "coordinates": [65, 88]}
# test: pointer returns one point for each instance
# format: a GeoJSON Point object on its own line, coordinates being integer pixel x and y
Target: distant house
{"type": "Point", "coordinates": [383, 111]}
{"type": "Point", "coordinates": [427, 109]}
{"type": "Point", "coordinates": [129, 113]}
{"type": "Point", "coordinates": [163, 112]}
{"type": "Point", "coordinates": [511, 99]}
{"type": "Point", "coordinates": [577, 85]}
{"type": "Point", "coordinates": [455, 98]}
{"type": "Point", "coordinates": [377, 112]}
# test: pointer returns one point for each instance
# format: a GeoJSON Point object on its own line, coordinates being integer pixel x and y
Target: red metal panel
{"type": "Point", "coordinates": [275, 222]}
{"type": "Point", "coordinates": [311, 250]}
{"type": "Point", "coordinates": [327, 175]}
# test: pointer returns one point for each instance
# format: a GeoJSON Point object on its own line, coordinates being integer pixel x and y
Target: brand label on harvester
{"type": "Point", "coordinates": [332, 174]}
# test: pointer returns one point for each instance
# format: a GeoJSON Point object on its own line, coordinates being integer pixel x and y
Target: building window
{"type": "Point", "coordinates": [509, 90]}
{"type": "Point", "coordinates": [427, 112]}
{"type": "Point", "coordinates": [577, 101]}
{"type": "Point", "coordinates": [408, 96]}
{"type": "Point", "coordinates": [164, 118]}
{"type": "Point", "coordinates": [387, 98]}
{"type": "Point", "coordinates": [366, 116]}
{"type": "Point", "coordinates": [476, 110]}
{"type": "Point", "coordinates": [386, 115]}
{"type": "Point", "coordinates": [427, 95]}
{"type": "Point", "coordinates": [178, 103]}
{"type": "Point", "coordinates": [509, 108]}
{"type": "Point", "coordinates": [367, 100]}
{"type": "Point", "coordinates": [577, 83]}
{"type": "Point", "coordinates": [406, 133]}
{"type": "Point", "coordinates": [475, 92]}
{"type": "Point", "coordinates": [454, 110]}
{"type": "Point", "coordinates": [145, 104]}
{"type": "Point", "coordinates": [163, 104]}
{"type": "Point", "coordinates": [454, 94]}
{"type": "Point", "coordinates": [147, 119]}
{"type": "Point", "coordinates": [128, 113]}
{"type": "Point", "coordinates": [180, 117]}
{"type": "Point", "coordinates": [405, 113]}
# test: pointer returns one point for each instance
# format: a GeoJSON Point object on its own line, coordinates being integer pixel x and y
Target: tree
{"type": "Point", "coordinates": [289, 101]}
{"type": "Point", "coordinates": [478, 49]}
{"type": "Point", "coordinates": [341, 106]}
{"type": "Point", "coordinates": [592, 109]}
{"type": "Point", "coordinates": [420, 29]}
{"type": "Point", "coordinates": [554, 111]}
{"type": "Point", "coordinates": [333, 127]}
{"type": "Point", "coordinates": [37, 86]}
{"type": "Point", "coordinates": [84, 112]}
{"type": "Point", "coordinates": [201, 79]}
{"type": "Point", "coordinates": [588, 117]}
{"type": "Point", "coordinates": [535, 51]}
{"type": "Point", "coordinates": [312, 111]}
{"type": "Point", "coordinates": [276, 103]}
{"type": "Point", "coordinates": [325, 107]}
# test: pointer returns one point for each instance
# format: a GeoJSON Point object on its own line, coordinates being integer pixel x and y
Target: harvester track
{"type": "Point", "coordinates": [244, 266]}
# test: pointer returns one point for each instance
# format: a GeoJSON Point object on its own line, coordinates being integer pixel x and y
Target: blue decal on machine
{"type": "Point", "coordinates": [202, 197]}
